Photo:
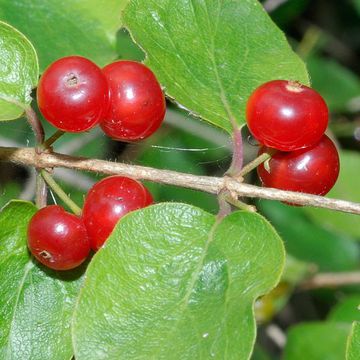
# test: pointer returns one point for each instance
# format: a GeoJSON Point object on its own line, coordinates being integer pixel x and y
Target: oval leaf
{"type": "Point", "coordinates": [61, 28]}
{"type": "Point", "coordinates": [36, 304]}
{"type": "Point", "coordinates": [171, 282]}
{"type": "Point", "coordinates": [19, 72]}
{"type": "Point", "coordinates": [210, 55]}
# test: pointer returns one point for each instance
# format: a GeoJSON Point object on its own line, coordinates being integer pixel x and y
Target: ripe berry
{"type": "Point", "coordinates": [109, 200]}
{"type": "Point", "coordinates": [286, 115]}
{"type": "Point", "coordinates": [313, 170]}
{"type": "Point", "coordinates": [137, 103]}
{"type": "Point", "coordinates": [73, 94]}
{"type": "Point", "coordinates": [57, 238]}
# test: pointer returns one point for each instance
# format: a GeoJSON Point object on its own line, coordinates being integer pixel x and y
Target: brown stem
{"type": "Point", "coordinates": [323, 280]}
{"type": "Point", "coordinates": [35, 124]}
{"type": "Point", "coordinates": [41, 192]}
{"type": "Point", "coordinates": [238, 156]}
{"type": "Point", "coordinates": [28, 156]}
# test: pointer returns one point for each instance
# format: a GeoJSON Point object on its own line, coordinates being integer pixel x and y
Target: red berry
{"type": "Point", "coordinates": [73, 94]}
{"type": "Point", "coordinates": [313, 170]}
{"type": "Point", "coordinates": [109, 200]}
{"type": "Point", "coordinates": [137, 103]}
{"type": "Point", "coordinates": [286, 115]}
{"type": "Point", "coordinates": [57, 238]}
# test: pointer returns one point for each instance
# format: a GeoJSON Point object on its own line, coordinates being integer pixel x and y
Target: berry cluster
{"type": "Point", "coordinates": [62, 241]}
{"type": "Point", "coordinates": [75, 95]}
{"type": "Point", "coordinates": [292, 118]}
{"type": "Point", "coordinates": [124, 97]}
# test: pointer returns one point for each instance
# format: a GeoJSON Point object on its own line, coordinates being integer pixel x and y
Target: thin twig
{"type": "Point", "coordinates": [35, 124]}
{"type": "Point", "coordinates": [238, 153]}
{"type": "Point", "coordinates": [328, 280]}
{"type": "Point", "coordinates": [41, 192]}
{"type": "Point", "coordinates": [27, 156]}
{"type": "Point", "coordinates": [254, 164]}
{"type": "Point", "coordinates": [46, 144]}
{"type": "Point", "coordinates": [60, 192]}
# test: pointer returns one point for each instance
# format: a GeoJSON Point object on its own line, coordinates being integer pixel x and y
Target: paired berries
{"type": "Point", "coordinates": [125, 98]}
{"type": "Point", "coordinates": [292, 118]}
{"type": "Point", "coordinates": [62, 241]}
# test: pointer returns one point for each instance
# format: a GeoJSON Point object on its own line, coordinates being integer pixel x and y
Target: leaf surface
{"type": "Point", "coordinates": [67, 27]}
{"type": "Point", "coordinates": [19, 71]}
{"type": "Point", "coordinates": [210, 55]}
{"type": "Point", "coordinates": [172, 283]}
{"type": "Point", "coordinates": [36, 304]}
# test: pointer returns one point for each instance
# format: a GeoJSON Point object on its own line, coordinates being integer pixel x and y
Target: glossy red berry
{"type": "Point", "coordinates": [286, 115]}
{"type": "Point", "coordinates": [313, 170]}
{"type": "Point", "coordinates": [73, 94]}
{"type": "Point", "coordinates": [137, 103]}
{"type": "Point", "coordinates": [57, 238]}
{"type": "Point", "coordinates": [109, 200]}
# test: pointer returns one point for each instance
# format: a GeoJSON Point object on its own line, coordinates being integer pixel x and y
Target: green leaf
{"type": "Point", "coordinates": [317, 341]}
{"type": "Point", "coordinates": [36, 304]}
{"type": "Point", "coordinates": [310, 242]}
{"type": "Point", "coordinates": [172, 283]}
{"type": "Point", "coordinates": [347, 310]}
{"type": "Point", "coordinates": [19, 72]}
{"type": "Point", "coordinates": [346, 188]}
{"type": "Point", "coordinates": [210, 55]}
{"type": "Point", "coordinates": [61, 28]}
{"type": "Point", "coordinates": [353, 345]}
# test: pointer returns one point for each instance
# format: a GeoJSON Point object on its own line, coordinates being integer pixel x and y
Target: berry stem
{"type": "Point", "coordinates": [239, 204]}
{"type": "Point", "coordinates": [47, 143]}
{"type": "Point", "coordinates": [60, 192]}
{"type": "Point", "coordinates": [238, 156]}
{"type": "Point", "coordinates": [255, 163]}
{"type": "Point", "coordinates": [35, 124]}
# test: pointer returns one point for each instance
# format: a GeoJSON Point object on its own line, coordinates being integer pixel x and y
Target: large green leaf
{"type": "Point", "coordinates": [317, 341]}
{"type": "Point", "coordinates": [210, 55]}
{"type": "Point", "coordinates": [35, 304]}
{"type": "Point", "coordinates": [353, 345]}
{"type": "Point", "coordinates": [172, 283]}
{"type": "Point", "coordinates": [19, 71]}
{"type": "Point", "coordinates": [67, 27]}
{"type": "Point", "coordinates": [346, 188]}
